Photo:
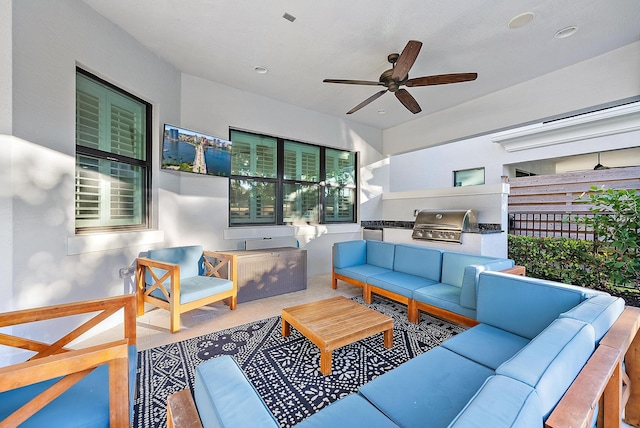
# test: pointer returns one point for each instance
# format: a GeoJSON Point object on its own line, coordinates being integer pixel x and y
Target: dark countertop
{"type": "Point", "coordinates": [483, 228]}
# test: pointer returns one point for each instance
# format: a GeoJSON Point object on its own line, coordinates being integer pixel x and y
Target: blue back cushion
{"type": "Point", "coordinates": [190, 259]}
{"type": "Point", "coordinates": [552, 361]}
{"type": "Point", "coordinates": [380, 254]}
{"type": "Point", "coordinates": [600, 311]}
{"type": "Point", "coordinates": [420, 261]}
{"type": "Point", "coordinates": [349, 253]}
{"type": "Point", "coordinates": [522, 305]}
{"type": "Point", "coordinates": [453, 265]}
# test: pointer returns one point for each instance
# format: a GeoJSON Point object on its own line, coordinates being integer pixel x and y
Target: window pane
{"type": "Point", "coordinates": [339, 204]}
{"type": "Point", "coordinates": [340, 166]}
{"type": "Point", "coordinates": [253, 155]}
{"type": "Point", "coordinates": [301, 162]}
{"type": "Point", "coordinates": [108, 193]}
{"type": "Point", "coordinates": [252, 202]}
{"type": "Point", "coordinates": [300, 203]}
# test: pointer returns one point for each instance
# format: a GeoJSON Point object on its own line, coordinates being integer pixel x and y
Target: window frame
{"type": "Point", "coordinates": [145, 164]}
{"type": "Point", "coordinates": [280, 182]}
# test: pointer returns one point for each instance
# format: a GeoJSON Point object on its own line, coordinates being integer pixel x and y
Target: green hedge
{"type": "Point", "coordinates": [565, 260]}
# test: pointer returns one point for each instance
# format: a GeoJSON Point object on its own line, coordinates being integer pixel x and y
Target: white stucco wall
{"type": "Point", "coordinates": [199, 211]}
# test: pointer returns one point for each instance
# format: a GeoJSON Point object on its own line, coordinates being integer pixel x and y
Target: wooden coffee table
{"type": "Point", "coordinates": [336, 322]}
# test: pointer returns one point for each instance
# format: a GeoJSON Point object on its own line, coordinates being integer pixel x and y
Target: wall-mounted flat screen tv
{"type": "Point", "coordinates": [190, 151]}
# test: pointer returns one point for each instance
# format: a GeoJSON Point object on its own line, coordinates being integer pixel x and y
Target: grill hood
{"type": "Point", "coordinates": [445, 225]}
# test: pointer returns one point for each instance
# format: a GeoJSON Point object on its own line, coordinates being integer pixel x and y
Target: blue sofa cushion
{"type": "Point", "coordinates": [361, 272]}
{"type": "Point", "coordinates": [190, 259]}
{"type": "Point", "coordinates": [349, 253]}
{"type": "Point", "coordinates": [443, 296]}
{"type": "Point", "coordinates": [552, 360]}
{"type": "Point", "coordinates": [429, 389]}
{"type": "Point", "coordinates": [486, 345]}
{"type": "Point", "coordinates": [380, 254]}
{"type": "Point", "coordinates": [399, 283]}
{"type": "Point", "coordinates": [198, 287]}
{"type": "Point", "coordinates": [419, 261]}
{"type": "Point", "coordinates": [225, 397]}
{"type": "Point", "coordinates": [501, 402]}
{"type": "Point", "coordinates": [453, 266]}
{"type": "Point", "coordinates": [535, 303]}
{"type": "Point", "coordinates": [85, 404]}
{"type": "Point", "coordinates": [348, 412]}
{"type": "Point", "coordinates": [600, 311]}
{"type": "Point", "coordinates": [469, 288]}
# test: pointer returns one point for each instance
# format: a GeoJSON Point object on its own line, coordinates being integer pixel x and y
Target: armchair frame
{"type": "Point", "coordinates": [225, 261]}
{"type": "Point", "coordinates": [58, 360]}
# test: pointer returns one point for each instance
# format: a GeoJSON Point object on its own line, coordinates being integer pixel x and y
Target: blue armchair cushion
{"type": "Point", "coordinates": [198, 287]}
{"type": "Point", "coordinates": [190, 259]}
{"type": "Point", "coordinates": [501, 402]}
{"type": "Point", "coordinates": [429, 389]}
{"type": "Point", "coordinates": [348, 412]}
{"type": "Point", "coordinates": [225, 397]}
{"type": "Point", "coordinates": [486, 345]}
{"type": "Point", "coordinates": [552, 360]}
{"type": "Point", "coordinates": [85, 404]}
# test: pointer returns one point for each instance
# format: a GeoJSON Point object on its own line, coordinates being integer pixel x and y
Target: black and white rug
{"type": "Point", "coordinates": [284, 370]}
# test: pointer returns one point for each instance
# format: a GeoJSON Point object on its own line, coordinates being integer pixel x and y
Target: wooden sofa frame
{"type": "Point", "coordinates": [226, 263]}
{"type": "Point", "coordinates": [602, 383]}
{"type": "Point", "coordinates": [59, 360]}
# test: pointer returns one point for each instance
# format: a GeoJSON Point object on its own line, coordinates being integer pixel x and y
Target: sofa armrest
{"type": "Point", "coordinates": [71, 367]}
{"type": "Point", "coordinates": [181, 411]}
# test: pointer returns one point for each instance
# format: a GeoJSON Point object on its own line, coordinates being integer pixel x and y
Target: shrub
{"type": "Point", "coordinates": [616, 223]}
{"type": "Point", "coordinates": [565, 260]}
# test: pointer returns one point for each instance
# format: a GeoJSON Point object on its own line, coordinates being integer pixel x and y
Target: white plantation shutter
{"type": "Point", "coordinates": [111, 164]}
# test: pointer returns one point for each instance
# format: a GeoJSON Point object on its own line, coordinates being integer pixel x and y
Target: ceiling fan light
{"type": "Point", "coordinates": [521, 20]}
{"type": "Point", "coordinates": [260, 69]}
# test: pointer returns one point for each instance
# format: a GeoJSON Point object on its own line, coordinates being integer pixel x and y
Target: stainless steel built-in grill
{"type": "Point", "coordinates": [444, 225]}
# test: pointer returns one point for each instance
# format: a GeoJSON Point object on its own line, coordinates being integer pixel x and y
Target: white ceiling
{"type": "Point", "coordinates": [223, 41]}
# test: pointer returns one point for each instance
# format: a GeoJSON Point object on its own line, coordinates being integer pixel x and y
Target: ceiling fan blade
{"type": "Point", "coordinates": [367, 101]}
{"type": "Point", "coordinates": [406, 59]}
{"type": "Point", "coordinates": [354, 82]}
{"type": "Point", "coordinates": [441, 79]}
{"type": "Point", "coordinates": [408, 101]}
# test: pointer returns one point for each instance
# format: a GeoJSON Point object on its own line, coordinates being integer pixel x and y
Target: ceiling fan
{"type": "Point", "coordinates": [398, 75]}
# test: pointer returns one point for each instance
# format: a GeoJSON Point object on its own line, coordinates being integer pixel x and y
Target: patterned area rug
{"type": "Point", "coordinates": [284, 370]}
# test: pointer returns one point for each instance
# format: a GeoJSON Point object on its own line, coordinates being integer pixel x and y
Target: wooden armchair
{"type": "Point", "coordinates": [63, 387]}
{"type": "Point", "coordinates": [181, 279]}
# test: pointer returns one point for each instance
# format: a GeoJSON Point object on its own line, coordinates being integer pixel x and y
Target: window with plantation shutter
{"type": "Point", "coordinates": [276, 181]}
{"type": "Point", "coordinates": [112, 166]}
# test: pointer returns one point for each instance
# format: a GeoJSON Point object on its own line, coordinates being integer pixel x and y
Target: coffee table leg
{"type": "Point", "coordinates": [286, 328]}
{"type": "Point", "coordinates": [388, 338]}
{"type": "Point", "coordinates": [325, 362]}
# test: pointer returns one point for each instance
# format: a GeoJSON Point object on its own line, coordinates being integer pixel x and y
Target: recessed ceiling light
{"type": "Point", "coordinates": [566, 32]}
{"type": "Point", "coordinates": [382, 111]}
{"type": "Point", "coordinates": [521, 20]}
{"type": "Point", "coordinates": [260, 69]}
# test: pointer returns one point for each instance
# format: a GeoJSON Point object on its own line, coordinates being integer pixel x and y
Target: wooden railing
{"type": "Point", "coordinates": [609, 382]}
{"type": "Point", "coordinates": [58, 359]}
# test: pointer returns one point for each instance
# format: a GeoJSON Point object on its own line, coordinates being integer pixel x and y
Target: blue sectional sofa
{"type": "Point", "coordinates": [510, 370]}
{"type": "Point", "coordinates": [441, 282]}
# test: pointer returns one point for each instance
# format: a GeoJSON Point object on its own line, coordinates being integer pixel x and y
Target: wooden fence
{"type": "Point", "coordinates": [546, 205]}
